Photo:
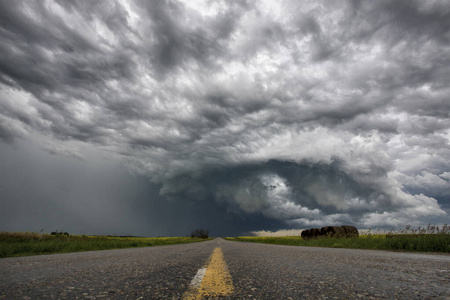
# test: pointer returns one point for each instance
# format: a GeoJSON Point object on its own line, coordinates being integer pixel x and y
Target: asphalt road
{"type": "Point", "coordinates": [257, 271]}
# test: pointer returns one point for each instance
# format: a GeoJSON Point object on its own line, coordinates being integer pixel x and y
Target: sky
{"type": "Point", "coordinates": [155, 118]}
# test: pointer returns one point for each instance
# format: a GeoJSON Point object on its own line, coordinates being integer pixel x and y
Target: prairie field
{"type": "Point", "coordinates": [24, 243]}
{"type": "Point", "coordinates": [428, 239]}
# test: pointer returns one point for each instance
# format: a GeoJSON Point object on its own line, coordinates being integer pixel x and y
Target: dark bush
{"type": "Point", "coordinates": [59, 233]}
{"type": "Point", "coordinates": [350, 231]}
{"type": "Point", "coordinates": [200, 233]}
{"type": "Point", "coordinates": [330, 231]}
{"type": "Point", "coordinates": [306, 234]}
{"type": "Point", "coordinates": [336, 231]}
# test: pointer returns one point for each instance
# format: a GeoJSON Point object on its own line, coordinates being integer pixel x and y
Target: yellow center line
{"type": "Point", "coordinates": [216, 281]}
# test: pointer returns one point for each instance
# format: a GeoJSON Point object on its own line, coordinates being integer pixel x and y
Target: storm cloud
{"type": "Point", "coordinates": [289, 114]}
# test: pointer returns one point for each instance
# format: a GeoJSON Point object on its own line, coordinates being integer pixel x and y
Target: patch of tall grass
{"type": "Point", "coordinates": [24, 244]}
{"type": "Point", "coordinates": [412, 240]}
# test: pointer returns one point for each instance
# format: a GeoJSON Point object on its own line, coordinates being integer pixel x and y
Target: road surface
{"type": "Point", "coordinates": [231, 270]}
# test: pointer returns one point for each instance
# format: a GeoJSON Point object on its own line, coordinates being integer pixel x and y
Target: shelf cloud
{"type": "Point", "coordinates": [288, 114]}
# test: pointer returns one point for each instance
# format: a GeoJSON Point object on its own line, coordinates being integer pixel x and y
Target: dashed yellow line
{"type": "Point", "coordinates": [216, 280]}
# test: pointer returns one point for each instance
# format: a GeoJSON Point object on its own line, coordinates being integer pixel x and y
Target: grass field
{"type": "Point", "coordinates": [24, 244]}
{"type": "Point", "coordinates": [411, 240]}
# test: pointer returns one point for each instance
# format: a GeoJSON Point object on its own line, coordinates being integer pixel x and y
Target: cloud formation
{"type": "Point", "coordinates": [306, 113]}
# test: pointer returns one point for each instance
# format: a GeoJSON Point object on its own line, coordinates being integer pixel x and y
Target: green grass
{"type": "Point", "coordinates": [401, 242]}
{"type": "Point", "coordinates": [24, 244]}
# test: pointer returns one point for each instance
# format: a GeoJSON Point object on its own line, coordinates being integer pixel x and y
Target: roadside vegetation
{"type": "Point", "coordinates": [428, 239]}
{"type": "Point", "coordinates": [24, 244]}
{"type": "Point", "coordinates": [200, 233]}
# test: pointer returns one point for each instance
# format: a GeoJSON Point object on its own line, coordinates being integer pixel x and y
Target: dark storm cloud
{"type": "Point", "coordinates": [94, 196]}
{"type": "Point", "coordinates": [313, 186]}
{"type": "Point", "coordinates": [298, 112]}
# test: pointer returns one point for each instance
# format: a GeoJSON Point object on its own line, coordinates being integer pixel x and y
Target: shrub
{"type": "Point", "coordinates": [200, 233]}
{"type": "Point", "coordinates": [59, 233]}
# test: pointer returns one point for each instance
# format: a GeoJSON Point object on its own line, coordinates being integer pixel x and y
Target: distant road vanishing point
{"type": "Point", "coordinates": [227, 270]}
